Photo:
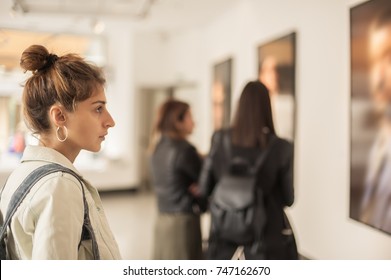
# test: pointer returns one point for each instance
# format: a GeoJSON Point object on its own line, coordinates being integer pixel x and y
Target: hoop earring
{"type": "Point", "coordinates": [66, 134]}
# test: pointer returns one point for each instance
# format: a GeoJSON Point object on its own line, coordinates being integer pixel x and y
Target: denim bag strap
{"type": "Point", "coordinates": [23, 190]}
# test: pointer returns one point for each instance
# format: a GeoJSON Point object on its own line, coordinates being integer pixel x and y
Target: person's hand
{"type": "Point", "coordinates": [194, 190]}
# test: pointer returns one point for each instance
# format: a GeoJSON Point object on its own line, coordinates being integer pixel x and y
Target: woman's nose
{"type": "Point", "coordinates": [110, 121]}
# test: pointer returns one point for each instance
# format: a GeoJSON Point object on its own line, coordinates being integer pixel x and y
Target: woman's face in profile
{"type": "Point", "coordinates": [88, 125]}
{"type": "Point", "coordinates": [187, 124]}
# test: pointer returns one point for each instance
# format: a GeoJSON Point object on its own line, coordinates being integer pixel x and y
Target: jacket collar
{"type": "Point", "coordinates": [45, 154]}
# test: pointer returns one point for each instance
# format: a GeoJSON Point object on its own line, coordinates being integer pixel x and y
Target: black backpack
{"type": "Point", "coordinates": [237, 203]}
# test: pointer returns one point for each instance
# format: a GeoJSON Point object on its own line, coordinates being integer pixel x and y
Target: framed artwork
{"type": "Point", "coordinates": [276, 69]}
{"type": "Point", "coordinates": [370, 130]}
{"type": "Point", "coordinates": [221, 94]}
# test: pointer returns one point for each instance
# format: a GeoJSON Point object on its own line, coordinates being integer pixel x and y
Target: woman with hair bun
{"type": "Point", "coordinates": [61, 217]}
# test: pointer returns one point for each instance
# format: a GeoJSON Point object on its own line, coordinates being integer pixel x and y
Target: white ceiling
{"type": "Point", "coordinates": [161, 15]}
{"type": "Point", "coordinates": [125, 8]}
{"type": "Point", "coordinates": [53, 21]}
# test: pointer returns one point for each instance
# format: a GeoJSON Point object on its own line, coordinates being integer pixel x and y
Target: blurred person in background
{"type": "Point", "coordinates": [250, 133]}
{"type": "Point", "coordinates": [175, 167]}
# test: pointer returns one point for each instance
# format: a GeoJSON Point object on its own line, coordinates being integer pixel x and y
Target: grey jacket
{"type": "Point", "coordinates": [175, 165]}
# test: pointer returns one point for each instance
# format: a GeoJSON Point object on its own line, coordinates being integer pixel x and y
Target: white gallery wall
{"type": "Point", "coordinates": [136, 59]}
{"type": "Point", "coordinates": [320, 215]}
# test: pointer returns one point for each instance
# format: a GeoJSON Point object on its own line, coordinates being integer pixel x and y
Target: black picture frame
{"type": "Point", "coordinates": [221, 93]}
{"type": "Point", "coordinates": [277, 70]}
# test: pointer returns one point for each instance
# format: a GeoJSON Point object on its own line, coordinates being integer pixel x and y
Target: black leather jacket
{"type": "Point", "coordinates": [275, 178]}
{"type": "Point", "coordinates": [175, 165]}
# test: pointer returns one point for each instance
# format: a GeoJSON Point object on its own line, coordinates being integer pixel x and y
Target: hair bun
{"type": "Point", "coordinates": [36, 57]}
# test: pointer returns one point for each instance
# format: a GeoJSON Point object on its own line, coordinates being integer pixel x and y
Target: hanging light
{"type": "Point", "coordinates": [98, 26]}
{"type": "Point", "coordinates": [17, 8]}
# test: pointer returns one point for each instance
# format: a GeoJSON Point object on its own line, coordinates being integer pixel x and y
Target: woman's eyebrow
{"type": "Point", "coordinates": [99, 101]}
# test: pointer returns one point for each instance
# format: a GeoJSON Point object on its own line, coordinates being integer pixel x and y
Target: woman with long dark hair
{"type": "Point", "coordinates": [250, 134]}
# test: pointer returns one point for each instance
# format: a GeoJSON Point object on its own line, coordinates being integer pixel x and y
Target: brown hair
{"type": "Point", "coordinates": [66, 79]}
{"type": "Point", "coordinates": [253, 121]}
{"type": "Point", "coordinates": [169, 113]}
{"type": "Point", "coordinates": [382, 19]}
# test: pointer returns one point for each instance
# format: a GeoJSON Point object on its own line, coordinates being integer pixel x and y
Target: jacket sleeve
{"type": "Point", "coordinates": [59, 215]}
{"type": "Point", "coordinates": [190, 162]}
{"type": "Point", "coordinates": [286, 177]}
{"type": "Point", "coordinates": [207, 178]}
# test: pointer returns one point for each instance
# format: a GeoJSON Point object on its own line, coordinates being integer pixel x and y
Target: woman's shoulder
{"type": "Point", "coordinates": [182, 144]}
{"type": "Point", "coordinates": [283, 142]}
{"type": "Point", "coordinates": [59, 181]}
{"type": "Point", "coordinates": [282, 145]}
{"type": "Point", "coordinates": [56, 187]}
{"type": "Point", "coordinates": [42, 174]}
{"type": "Point", "coordinates": [181, 147]}
{"type": "Point", "coordinates": [221, 131]}
{"type": "Point", "coordinates": [218, 135]}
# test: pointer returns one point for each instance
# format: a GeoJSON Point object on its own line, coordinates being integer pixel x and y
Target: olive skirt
{"type": "Point", "coordinates": [177, 237]}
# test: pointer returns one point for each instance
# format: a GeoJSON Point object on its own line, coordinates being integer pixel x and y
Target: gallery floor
{"type": "Point", "coordinates": [131, 215]}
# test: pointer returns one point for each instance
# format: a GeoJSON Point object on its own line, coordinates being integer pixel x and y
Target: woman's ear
{"type": "Point", "coordinates": [57, 115]}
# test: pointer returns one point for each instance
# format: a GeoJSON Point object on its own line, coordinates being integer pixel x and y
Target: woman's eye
{"type": "Point", "coordinates": [99, 109]}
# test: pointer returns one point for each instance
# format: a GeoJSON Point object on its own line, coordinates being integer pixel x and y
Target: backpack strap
{"type": "Point", "coordinates": [261, 158]}
{"type": "Point", "coordinates": [25, 187]}
{"type": "Point", "coordinates": [227, 144]}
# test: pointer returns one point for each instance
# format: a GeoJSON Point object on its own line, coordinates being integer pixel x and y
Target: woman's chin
{"type": "Point", "coordinates": [94, 149]}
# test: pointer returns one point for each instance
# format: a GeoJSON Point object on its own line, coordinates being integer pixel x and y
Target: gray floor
{"type": "Point", "coordinates": [131, 215]}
